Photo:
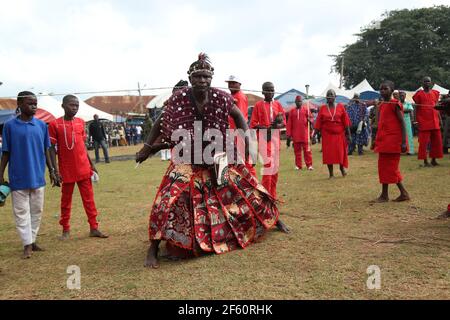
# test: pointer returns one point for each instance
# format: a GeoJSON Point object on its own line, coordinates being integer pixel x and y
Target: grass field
{"type": "Point", "coordinates": [336, 235]}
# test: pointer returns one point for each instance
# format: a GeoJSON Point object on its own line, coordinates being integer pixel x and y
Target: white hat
{"type": "Point", "coordinates": [233, 79]}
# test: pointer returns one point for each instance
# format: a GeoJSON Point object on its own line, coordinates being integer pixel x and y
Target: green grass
{"type": "Point", "coordinates": [336, 235]}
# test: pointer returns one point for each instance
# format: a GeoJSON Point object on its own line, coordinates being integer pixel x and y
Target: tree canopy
{"type": "Point", "coordinates": [404, 47]}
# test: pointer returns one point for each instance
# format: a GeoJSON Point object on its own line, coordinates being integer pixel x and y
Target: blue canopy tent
{"type": "Point", "coordinates": [369, 95]}
{"type": "Point", "coordinates": [339, 99]}
{"type": "Point", "coordinates": [5, 115]}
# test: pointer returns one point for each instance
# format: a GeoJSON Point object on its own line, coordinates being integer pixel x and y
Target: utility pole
{"type": "Point", "coordinates": [307, 91]}
{"type": "Point", "coordinates": [342, 73]}
{"type": "Point", "coordinates": [141, 106]}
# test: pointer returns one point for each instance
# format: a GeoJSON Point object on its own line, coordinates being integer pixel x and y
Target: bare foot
{"type": "Point", "coordinates": [98, 234]}
{"type": "Point", "coordinates": [282, 227]}
{"type": "Point", "coordinates": [344, 173]}
{"type": "Point", "coordinates": [36, 248]}
{"type": "Point", "coordinates": [426, 165]}
{"type": "Point", "coordinates": [27, 251]}
{"type": "Point", "coordinates": [151, 261]}
{"type": "Point", "coordinates": [402, 197]}
{"type": "Point", "coordinates": [380, 199]}
{"type": "Point", "coordinates": [444, 215]}
{"type": "Point", "coordinates": [330, 177]}
{"type": "Point", "coordinates": [434, 163]}
{"type": "Point", "coordinates": [65, 236]}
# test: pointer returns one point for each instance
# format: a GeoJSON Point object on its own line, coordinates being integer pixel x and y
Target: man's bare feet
{"type": "Point", "coordinates": [426, 165]}
{"type": "Point", "coordinates": [402, 197]}
{"type": "Point", "coordinates": [444, 215]}
{"type": "Point", "coordinates": [65, 236]}
{"type": "Point", "coordinates": [151, 261]}
{"type": "Point", "coordinates": [27, 251]}
{"type": "Point", "coordinates": [434, 163]}
{"type": "Point", "coordinates": [380, 199]}
{"type": "Point", "coordinates": [36, 248]}
{"type": "Point", "coordinates": [344, 173]}
{"type": "Point", "coordinates": [282, 227]}
{"type": "Point", "coordinates": [98, 234]}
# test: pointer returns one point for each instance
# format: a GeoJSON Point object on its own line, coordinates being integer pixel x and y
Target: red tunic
{"type": "Point", "coordinates": [297, 125]}
{"type": "Point", "coordinates": [427, 117]}
{"type": "Point", "coordinates": [241, 101]}
{"type": "Point", "coordinates": [73, 160]}
{"type": "Point", "coordinates": [389, 134]}
{"type": "Point", "coordinates": [332, 124]}
{"type": "Point", "coordinates": [262, 116]}
{"type": "Point", "coordinates": [388, 142]}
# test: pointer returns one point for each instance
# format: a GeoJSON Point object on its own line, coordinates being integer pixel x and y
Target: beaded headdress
{"type": "Point", "coordinates": [203, 64]}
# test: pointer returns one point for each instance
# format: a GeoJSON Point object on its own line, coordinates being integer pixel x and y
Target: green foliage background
{"type": "Point", "coordinates": [404, 47]}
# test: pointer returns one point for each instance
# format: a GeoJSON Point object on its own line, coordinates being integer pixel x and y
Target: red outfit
{"type": "Point", "coordinates": [74, 167]}
{"type": "Point", "coordinates": [241, 101]}
{"type": "Point", "coordinates": [429, 124]}
{"type": "Point", "coordinates": [264, 113]}
{"type": "Point", "coordinates": [297, 130]}
{"type": "Point", "coordinates": [388, 142]}
{"type": "Point", "coordinates": [332, 122]}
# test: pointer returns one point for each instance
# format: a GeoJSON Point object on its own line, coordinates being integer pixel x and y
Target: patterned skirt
{"type": "Point", "coordinates": [193, 213]}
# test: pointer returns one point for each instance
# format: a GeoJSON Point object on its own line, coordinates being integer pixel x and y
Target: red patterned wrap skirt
{"type": "Point", "coordinates": [192, 212]}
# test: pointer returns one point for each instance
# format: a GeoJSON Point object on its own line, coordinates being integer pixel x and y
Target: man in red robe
{"type": "Point", "coordinates": [241, 101]}
{"type": "Point", "coordinates": [298, 131]}
{"type": "Point", "coordinates": [444, 106]}
{"type": "Point", "coordinates": [333, 123]}
{"type": "Point", "coordinates": [429, 121]}
{"type": "Point", "coordinates": [68, 135]}
{"type": "Point", "coordinates": [390, 143]}
{"type": "Point", "coordinates": [268, 118]}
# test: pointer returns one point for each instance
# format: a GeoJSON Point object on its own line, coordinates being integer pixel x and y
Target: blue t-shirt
{"type": "Point", "coordinates": [26, 143]}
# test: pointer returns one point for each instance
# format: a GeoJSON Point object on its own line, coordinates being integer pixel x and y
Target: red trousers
{"type": "Point", "coordinates": [300, 147]}
{"type": "Point", "coordinates": [271, 167]}
{"type": "Point", "coordinates": [87, 195]}
{"type": "Point", "coordinates": [435, 137]}
{"type": "Point", "coordinates": [388, 168]}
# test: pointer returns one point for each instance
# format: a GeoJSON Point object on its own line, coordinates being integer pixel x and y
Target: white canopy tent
{"type": "Point", "coordinates": [51, 105]}
{"type": "Point", "coordinates": [442, 90]}
{"type": "Point", "coordinates": [85, 112]}
{"type": "Point", "coordinates": [361, 87]}
{"type": "Point", "coordinates": [339, 92]}
{"type": "Point", "coordinates": [158, 101]}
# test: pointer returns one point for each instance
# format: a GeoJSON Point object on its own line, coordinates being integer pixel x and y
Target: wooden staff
{"type": "Point", "coordinates": [309, 127]}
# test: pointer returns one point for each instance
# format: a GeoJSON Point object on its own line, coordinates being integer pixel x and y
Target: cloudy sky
{"type": "Point", "coordinates": [98, 45]}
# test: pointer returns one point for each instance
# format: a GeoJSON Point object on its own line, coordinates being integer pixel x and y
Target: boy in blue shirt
{"type": "Point", "coordinates": [25, 148]}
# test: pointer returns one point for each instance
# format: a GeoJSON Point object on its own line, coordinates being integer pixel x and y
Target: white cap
{"type": "Point", "coordinates": [233, 79]}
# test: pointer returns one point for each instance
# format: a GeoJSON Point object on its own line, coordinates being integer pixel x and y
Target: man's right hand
{"type": "Point", "coordinates": [143, 154]}
{"type": "Point", "coordinates": [55, 179]}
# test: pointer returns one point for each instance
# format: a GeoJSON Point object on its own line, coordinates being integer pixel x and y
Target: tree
{"type": "Point", "coordinates": [404, 47]}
